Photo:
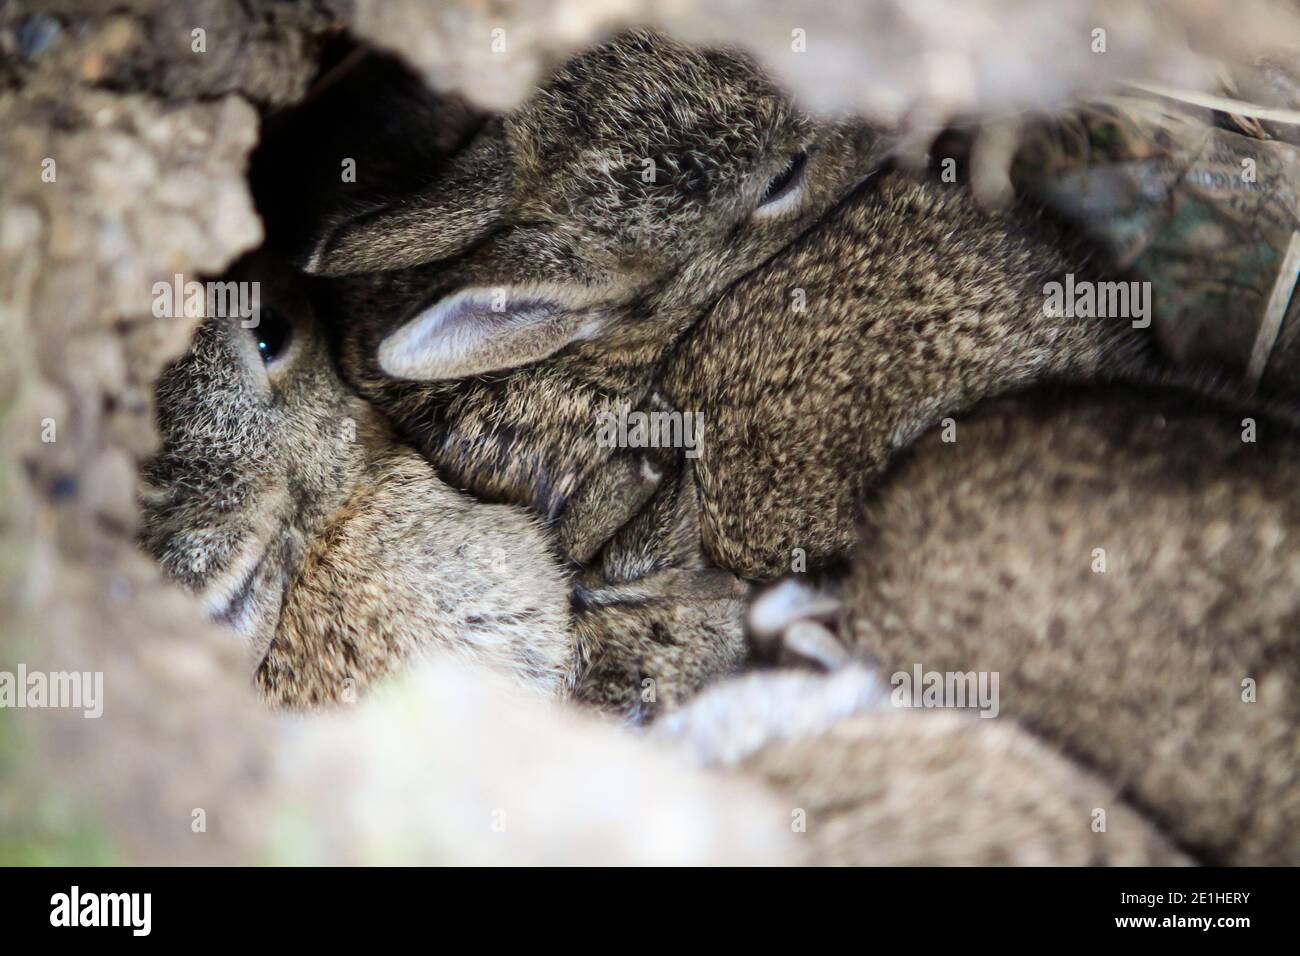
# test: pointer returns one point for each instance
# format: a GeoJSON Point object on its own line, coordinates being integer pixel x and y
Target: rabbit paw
{"type": "Point", "coordinates": [647, 646]}
{"type": "Point", "coordinates": [607, 501]}
{"type": "Point", "coordinates": [793, 623]}
{"type": "Point", "coordinates": [616, 492]}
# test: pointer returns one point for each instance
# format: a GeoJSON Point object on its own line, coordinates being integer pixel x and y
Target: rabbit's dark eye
{"type": "Point", "coordinates": [786, 181]}
{"type": "Point", "coordinates": [271, 334]}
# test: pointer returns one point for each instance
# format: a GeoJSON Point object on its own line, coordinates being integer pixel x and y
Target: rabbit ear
{"type": "Point", "coordinates": [459, 209]}
{"type": "Point", "coordinates": [480, 330]}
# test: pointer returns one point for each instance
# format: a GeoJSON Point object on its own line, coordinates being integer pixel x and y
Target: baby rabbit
{"type": "Point", "coordinates": [815, 322]}
{"type": "Point", "coordinates": [1128, 561]}
{"type": "Point", "coordinates": [544, 282]}
{"type": "Point", "coordinates": [905, 306]}
{"type": "Point", "coordinates": [286, 502]}
{"type": "Point", "coordinates": [597, 222]}
{"type": "Point", "coordinates": [588, 228]}
{"type": "Point", "coordinates": [337, 552]}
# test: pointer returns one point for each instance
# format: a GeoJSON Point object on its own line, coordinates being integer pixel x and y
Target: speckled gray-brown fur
{"type": "Point", "coordinates": [980, 555]}
{"type": "Point", "coordinates": [917, 305]}
{"type": "Point", "coordinates": [554, 193]}
{"type": "Point", "coordinates": [284, 500]}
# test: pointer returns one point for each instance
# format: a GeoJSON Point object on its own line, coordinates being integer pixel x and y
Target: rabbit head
{"type": "Point", "coordinates": [283, 500]}
{"type": "Point", "coordinates": [617, 203]}
{"type": "Point", "coordinates": [260, 441]}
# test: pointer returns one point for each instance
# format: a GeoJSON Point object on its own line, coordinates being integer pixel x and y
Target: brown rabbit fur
{"type": "Point", "coordinates": [953, 790]}
{"type": "Point", "coordinates": [604, 259]}
{"type": "Point", "coordinates": [877, 786]}
{"type": "Point", "coordinates": [284, 500]}
{"type": "Point", "coordinates": [978, 555]}
{"type": "Point", "coordinates": [550, 207]}
{"type": "Point", "coordinates": [916, 303]}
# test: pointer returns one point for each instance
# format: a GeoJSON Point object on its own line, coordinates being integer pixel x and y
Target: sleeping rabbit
{"type": "Point", "coordinates": [661, 226]}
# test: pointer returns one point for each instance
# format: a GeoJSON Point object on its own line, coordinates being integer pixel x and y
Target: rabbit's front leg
{"type": "Point", "coordinates": [607, 501]}
{"type": "Point", "coordinates": [653, 623]}
{"type": "Point", "coordinates": [647, 646]}
{"type": "Point", "coordinates": [624, 485]}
